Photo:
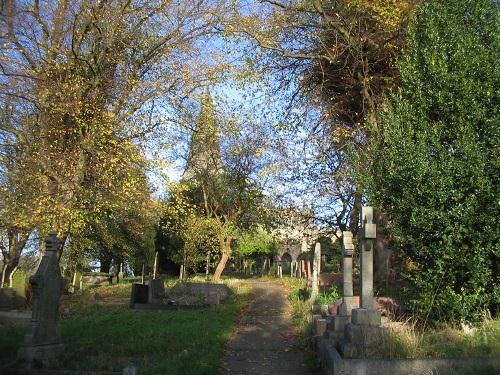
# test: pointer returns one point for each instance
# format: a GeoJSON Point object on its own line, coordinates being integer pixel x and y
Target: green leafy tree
{"type": "Point", "coordinates": [255, 242]}
{"type": "Point", "coordinates": [435, 165]}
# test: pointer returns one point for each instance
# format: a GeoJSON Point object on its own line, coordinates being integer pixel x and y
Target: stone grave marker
{"type": "Point", "coordinates": [42, 342]}
{"type": "Point", "coordinates": [365, 336]}
{"type": "Point", "coordinates": [316, 271]}
{"type": "Point", "coordinates": [156, 291]}
{"type": "Point", "coordinates": [139, 294]}
{"type": "Point", "coordinates": [343, 316]}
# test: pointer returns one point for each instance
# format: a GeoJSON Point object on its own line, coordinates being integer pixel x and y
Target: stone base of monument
{"type": "Point", "coordinates": [38, 356]}
{"type": "Point", "coordinates": [364, 337]}
{"type": "Point", "coordinates": [332, 363]}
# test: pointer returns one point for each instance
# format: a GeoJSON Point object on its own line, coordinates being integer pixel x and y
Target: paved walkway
{"type": "Point", "coordinates": [265, 341]}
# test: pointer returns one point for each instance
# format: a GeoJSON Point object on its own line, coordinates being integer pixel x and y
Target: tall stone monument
{"type": "Point", "coordinates": [316, 271]}
{"type": "Point", "coordinates": [368, 233]}
{"type": "Point", "coordinates": [42, 342]}
{"type": "Point", "coordinates": [364, 335]}
{"type": "Point", "coordinates": [347, 253]}
{"type": "Point", "coordinates": [343, 316]}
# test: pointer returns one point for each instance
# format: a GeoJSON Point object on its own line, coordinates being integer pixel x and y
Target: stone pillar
{"type": "Point", "coordinates": [347, 253]}
{"type": "Point", "coordinates": [155, 265]}
{"type": "Point", "coordinates": [120, 274]}
{"type": "Point", "coordinates": [343, 317]}
{"type": "Point", "coordinates": [42, 342]}
{"type": "Point", "coordinates": [315, 274]}
{"type": "Point", "coordinates": [365, 336]}
{"type": "Point", "coordinates": [367, 237]}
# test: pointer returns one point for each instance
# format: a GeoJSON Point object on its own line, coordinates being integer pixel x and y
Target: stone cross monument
{"type": "Point", "coordinates": [364, 336]}
{"type": "Point", "coordinates": [42, 342]}
{"type": "Point", "coordinates": [368, 233]}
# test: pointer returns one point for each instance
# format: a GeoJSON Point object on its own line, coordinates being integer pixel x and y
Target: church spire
{"type": "Point", "coordinates": [204, 151]}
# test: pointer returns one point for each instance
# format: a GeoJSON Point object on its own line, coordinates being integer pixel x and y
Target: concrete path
{"type": "Point", "coordinates": [265, 341]}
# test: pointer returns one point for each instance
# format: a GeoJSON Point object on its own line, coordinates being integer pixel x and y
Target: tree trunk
{"type": "Point", "coordinates": [354, 217]}
{"type": "Point", "coordinates": [11, 257]}
{"type": "Point", "coordinates": [60, 247]}
{"type": "Point", "coordinates": [220, 267]}
{"type": "Point", "coordinates": [225, 247]}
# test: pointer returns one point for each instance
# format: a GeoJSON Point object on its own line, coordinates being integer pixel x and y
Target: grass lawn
{"type": "Point", "coordinates": [160, 342]}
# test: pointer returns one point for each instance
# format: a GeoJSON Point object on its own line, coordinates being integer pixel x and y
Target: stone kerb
{"type": "Point", "coordinates": [42, 342]}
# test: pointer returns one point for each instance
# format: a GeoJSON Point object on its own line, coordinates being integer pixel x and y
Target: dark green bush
{"type": "Point", "coordinates": [435, 161]}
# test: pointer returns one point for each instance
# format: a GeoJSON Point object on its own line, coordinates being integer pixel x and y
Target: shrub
{"type": "Point", "coordinates": [435, 160]}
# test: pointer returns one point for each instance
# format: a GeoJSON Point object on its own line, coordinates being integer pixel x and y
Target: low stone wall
{"type": "Point", "coordinates": [199, 293]}
{"type": "Point", "coordinates": [333, 364]}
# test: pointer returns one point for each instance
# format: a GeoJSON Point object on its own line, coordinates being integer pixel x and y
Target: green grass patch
{"type": "Point", "coordinates": [160, 342]}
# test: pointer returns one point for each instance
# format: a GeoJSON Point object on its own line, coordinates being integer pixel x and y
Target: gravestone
{"type": "Point", "coordinates": [343, 316]}
{"type": "Point", "coordinates": [120, 274]}
{"type": "Point", "coordinates": [156, 291]}
{"type": "Point", "coordinates": [316, 270]}
{"type": "Point", "coordinates": [139, 294]}
{"type": "Point", "coordinates": [368, 233]}
{"type": "Point", "coordinates": [42, 342]}
{"type": "Point", "coordinates": [347, 289]}
{"type": "Point", "coordinates": [364, 336]}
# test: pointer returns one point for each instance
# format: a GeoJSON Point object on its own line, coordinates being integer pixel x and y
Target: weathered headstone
{"type": "Point", "coordinates": [368, 233]}
{"type": "Point", "coordinates": [42, 342]}
{"type": "Point", "coordinates": [139, 294]}
{"type": "Point", "coordinates": [343, 316]}
{"type": "Point", "coordinates": [364, 336]}
{"type": "Point", "coordinates": [156, 291]}
{"type": "Point", "coordinates": [347, 289]}
{"type": "Point", "coordinates": [316, 270]}
{"type": "Point", "coordinates": [120, 274]}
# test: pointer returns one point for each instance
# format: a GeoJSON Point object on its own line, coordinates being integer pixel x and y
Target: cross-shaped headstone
{"type": "Point", "coordinates": [367, 235]}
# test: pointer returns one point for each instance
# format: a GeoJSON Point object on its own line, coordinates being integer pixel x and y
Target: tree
{"type": "Point", "coordinates": [435, 162]}
{"type": "Point", "coordinates": [336, 59]}
{"type": "Point", "coordinates": [82, 80]}
{"type": "Point", "coordinates": [255, 243]}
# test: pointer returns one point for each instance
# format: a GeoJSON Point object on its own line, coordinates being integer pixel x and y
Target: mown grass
{"type": "Point", "coordinates": [107, 338]}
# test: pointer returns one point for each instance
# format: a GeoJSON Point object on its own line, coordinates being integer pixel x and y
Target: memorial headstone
{"type": "Point", "coordinates": [316, 270]}
{"type": "Point", "coordinates": [42, 342]}
{"type": "Point", "coordinates": [156, 291]}
{"type": "Point", "coordinates": [139, 294]}
{"type": "Point", "coordinates": [364, 336]}
{"type": "Point", "coordinates": [343, 316]}
{"type": "Point", "coordinates": [120, 274]}
{"type": "Point", "coordinates": [368, 233]}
